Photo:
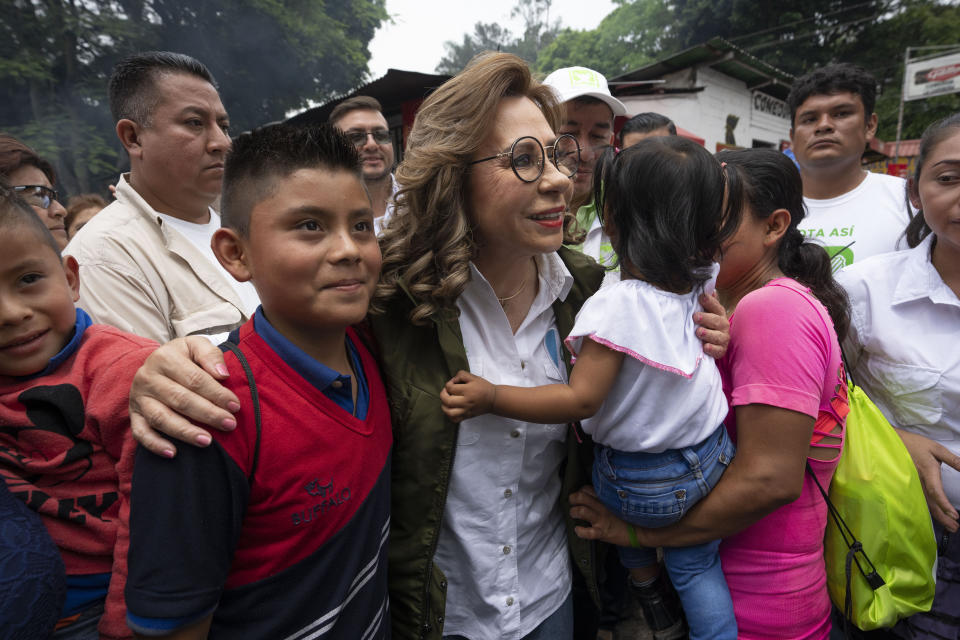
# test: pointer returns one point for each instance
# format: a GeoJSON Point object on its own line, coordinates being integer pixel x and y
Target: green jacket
{"type": "Point", "coordinates": [416, 363]}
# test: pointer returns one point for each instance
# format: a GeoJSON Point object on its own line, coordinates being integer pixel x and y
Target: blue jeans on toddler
{"type": "Point", "coordinates": [654, 490]}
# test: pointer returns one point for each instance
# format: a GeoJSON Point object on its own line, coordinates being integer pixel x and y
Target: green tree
{"type": "Point", "coordinates": [269, 57]}
{"type": "Point", "coordinates": [631, 35]}
{"type": "Point", "coordinates": [798, 36]}
{"type": "Point", "coordinates": [538, 32]}
{"type": "Point", "coordinates": [913, 23]}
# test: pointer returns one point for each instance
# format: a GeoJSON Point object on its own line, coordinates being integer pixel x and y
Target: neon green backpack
{"type": "Point", "coordinates": [879, 545]}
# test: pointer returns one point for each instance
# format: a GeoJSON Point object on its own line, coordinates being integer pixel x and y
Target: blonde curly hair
{"type": "Point", "coordinates": [428, 243]}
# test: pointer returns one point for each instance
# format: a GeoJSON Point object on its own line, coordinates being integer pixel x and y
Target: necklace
{"type": "Point", "coordinates": [511, 297]}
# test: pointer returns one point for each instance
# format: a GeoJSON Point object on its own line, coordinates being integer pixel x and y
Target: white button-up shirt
{"type": "Point", "coordinates": [904, 346]}
{"type": "Point", "coordinates": [380, 223]}
{"type": "Point", "coordinates": [502, 545]}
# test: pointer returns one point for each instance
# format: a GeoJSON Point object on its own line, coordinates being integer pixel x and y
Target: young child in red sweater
{"type": "Point", "coordinates": [65, 448]}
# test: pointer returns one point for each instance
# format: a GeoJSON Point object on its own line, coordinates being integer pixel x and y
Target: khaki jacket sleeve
{"type": "Point", "coordinates": [120, 296]}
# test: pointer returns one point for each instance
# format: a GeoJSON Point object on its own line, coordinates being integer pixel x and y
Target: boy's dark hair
{"type": "Point", "coordinates": [665, 199]}
{"type": "Point", "coordinates": [261, 156]}
{"type": "Point", "coordinates": [16, 213]}
{"type": "Point", "coordinates": [767, 180]}
{"type": "Point", "coordinates": [834, 78]}
{"type": "Point", "coordinates": [355, 103]}
{"type": "Point", "coordinates": [646, 122]}
{"type": "Point", "coordinates": [133, 94]}
{"type": "Point", "coordinates": [14, 154]}
{"type": "Point", "coordinates": [917, 228]}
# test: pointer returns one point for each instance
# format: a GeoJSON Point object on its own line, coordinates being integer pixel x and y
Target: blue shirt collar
{"type": "Point", "coordinates": [317, 374]}
{"type": "Point", "coordinates": [82, 322]}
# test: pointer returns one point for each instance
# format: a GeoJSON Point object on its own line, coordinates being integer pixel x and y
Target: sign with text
{"type": "Point", "coordinates": [933, 77]}
{"type": "Point", "coordinates": [763, 103]}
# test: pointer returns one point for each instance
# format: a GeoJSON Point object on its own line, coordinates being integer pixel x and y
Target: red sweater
{"type": "Point", "coordinates": [66, 450]}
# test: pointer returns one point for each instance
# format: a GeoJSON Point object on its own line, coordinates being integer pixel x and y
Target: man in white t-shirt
{"type": "Point", "coordinates": [854, 213]}
{"type": "Point", "coordinates": [146, 265]}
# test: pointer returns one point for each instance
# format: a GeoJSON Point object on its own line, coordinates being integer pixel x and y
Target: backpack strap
{"type": "Point", "coordinates": [235, 350]}
{"type": "Point", "coordinates": [855, 553]}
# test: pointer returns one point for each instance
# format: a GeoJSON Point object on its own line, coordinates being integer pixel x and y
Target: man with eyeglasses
{"type": "Point", "coordinates": [590, 110]}
{"type": "Point", "coordinates": [361, 119]}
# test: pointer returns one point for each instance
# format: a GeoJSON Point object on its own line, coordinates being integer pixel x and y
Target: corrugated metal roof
{"type": "Point", "coordinates": [392, 88]}
{"type": "Point", "coordinates": [721, 55]}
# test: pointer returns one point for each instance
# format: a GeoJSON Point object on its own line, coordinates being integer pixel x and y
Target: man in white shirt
{"type": "Point", "coordinates": [590, 111]}
{"type": "Point", "coordinates": [361, 120]}
{"type": "Point", "coordinates": [145, 261]}
{"type": "Point", "coordinates": [854, 213]}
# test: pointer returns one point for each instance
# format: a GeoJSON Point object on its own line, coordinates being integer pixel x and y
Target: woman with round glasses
{"type": "Point", "coordinates": [32, 178]}
{"type": "Point", "coordinates": [474, 277]}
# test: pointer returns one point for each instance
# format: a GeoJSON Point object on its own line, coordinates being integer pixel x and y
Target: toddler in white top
{"type": "Point", "coordinates": [640, 383]}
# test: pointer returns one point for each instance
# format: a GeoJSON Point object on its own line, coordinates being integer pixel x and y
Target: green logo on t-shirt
{"type": "Point", "coordinates": [840, 257]}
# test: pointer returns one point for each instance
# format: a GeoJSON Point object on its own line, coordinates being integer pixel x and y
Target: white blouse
{"type": "Point", "coordinates": [668, 394]}
{"type": "Point", "coordinates": [903, 346]}
{"type": "Point", "coordinates": [503, 546]}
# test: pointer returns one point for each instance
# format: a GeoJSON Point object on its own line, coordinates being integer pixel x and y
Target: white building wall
{"type": "Point", "coordinates": [704, 113]}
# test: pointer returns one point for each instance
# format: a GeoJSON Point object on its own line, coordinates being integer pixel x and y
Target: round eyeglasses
{"type": "Point", "coordinates": [527, 155]}
{"type": "Point", "coordinates": [37, 195]}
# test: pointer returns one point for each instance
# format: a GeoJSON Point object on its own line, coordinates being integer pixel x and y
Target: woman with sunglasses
{"type": "Point", "coordinates": [474, 278]}
{"type": "Point", "coordinates": [32, 178]}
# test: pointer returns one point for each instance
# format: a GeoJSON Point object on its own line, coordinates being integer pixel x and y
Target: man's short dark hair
{"type": "Point", "coordinates": [834, 78]}
{"type": "Point", "coordinates": [647, 122]}
{"type": "Point", "coordinates": [15, 213]}
{"type": "Point", "coordinates": [259, 158]}
{"type": "Point", "coordinates": [355, 103]}
{"type": "Point", "coordinates": [133, 94]}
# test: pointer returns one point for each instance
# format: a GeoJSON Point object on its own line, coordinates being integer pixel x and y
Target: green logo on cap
{"type": "Point", "coordinates": [584, 78]}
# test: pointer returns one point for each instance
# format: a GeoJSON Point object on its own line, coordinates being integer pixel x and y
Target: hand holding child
{"type": "Point", "coordinates": [466, 395]}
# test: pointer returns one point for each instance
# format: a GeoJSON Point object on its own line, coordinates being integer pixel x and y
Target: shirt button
{"type": "Point", "coordinates": [523, 365]}
{"type": "Point", "coordinates": [507, 493]}
{"type": "Point", "coordinates": [506, 550]}
{"type": "Point", "coordinates": [515, 433]}
{"type": "Point", "coordinates": [509, 602]}
{"type": "Point", "coordinates": [336, 384]}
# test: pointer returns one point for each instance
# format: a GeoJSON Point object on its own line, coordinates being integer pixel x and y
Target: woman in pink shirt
{"type": "Point", "coordinates": [784, 381]}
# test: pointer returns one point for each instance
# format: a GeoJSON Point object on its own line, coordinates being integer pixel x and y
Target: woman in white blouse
{"type": "Point", "coordinates": [473, 276]}
{"type": "Point", "coordinates": [903, 348]}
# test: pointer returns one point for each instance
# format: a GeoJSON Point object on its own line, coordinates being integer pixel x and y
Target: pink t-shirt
{"type": "Point", "coordinates": [784, 353]}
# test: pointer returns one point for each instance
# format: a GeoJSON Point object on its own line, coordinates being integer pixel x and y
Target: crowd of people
{"type": "Point", "coordinates": [280, 388]}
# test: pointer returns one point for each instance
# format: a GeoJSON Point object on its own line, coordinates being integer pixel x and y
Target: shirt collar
{"type": "Point", "coordinates": [316, 373]}
{"type": "Point", "coordinates": [919, 279]}
{"type": "Point", "coordinates": [80, 326]}
{"type": "Point", "coordinates": [587, 217]}
{"type": "Point", "coordinates": [555, 283]}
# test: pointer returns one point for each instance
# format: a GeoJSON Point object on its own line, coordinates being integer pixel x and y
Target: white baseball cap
{"type": "Point", "coordinates": [572, 82]}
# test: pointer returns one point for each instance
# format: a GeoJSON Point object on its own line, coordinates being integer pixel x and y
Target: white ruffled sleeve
{"type": "Point", "coordinates": [652, 326]}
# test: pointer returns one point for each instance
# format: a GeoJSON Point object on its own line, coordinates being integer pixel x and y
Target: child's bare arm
{"type": "Point", "coordinates": [467, 395]}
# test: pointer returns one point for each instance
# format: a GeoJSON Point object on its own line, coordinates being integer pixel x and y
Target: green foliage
{"type": "Point", "coordinates": [538, 32]}
{"type": "Point", "coordinates": [632, 35]}
{"type": "Point", "coordinates": [914, 23]}
{"type": "Point", "coordinates": [269, 56]}
{"type": "Point", "coordinates": [799, 36]}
